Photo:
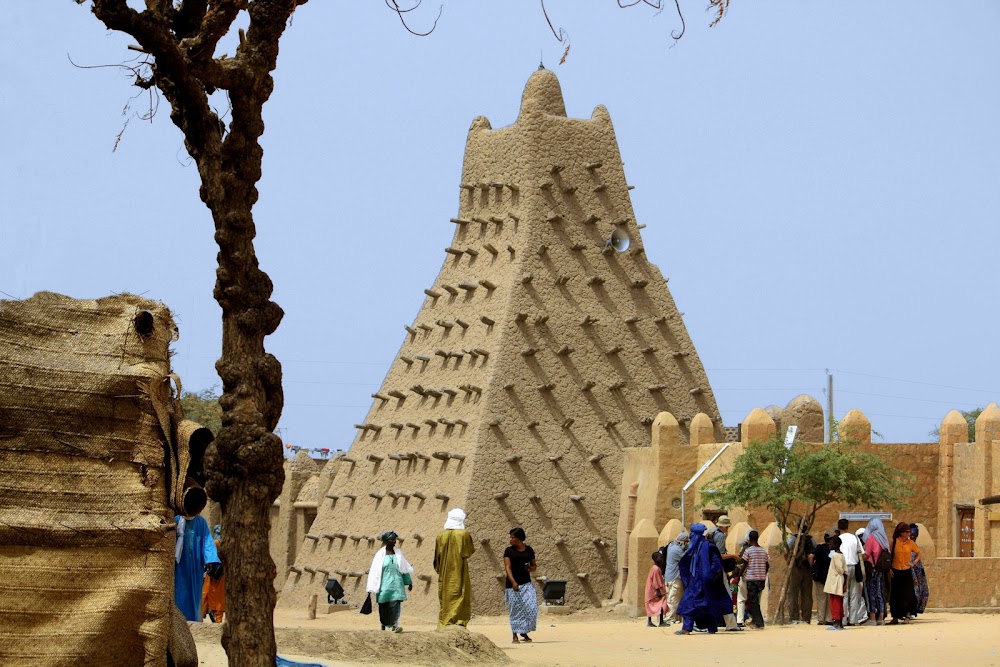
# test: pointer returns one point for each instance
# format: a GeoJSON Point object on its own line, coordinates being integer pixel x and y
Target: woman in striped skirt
{"type": "Point", "coordinates": [876, 542]}
{"type": "Point", "coordinates": [519, 592]}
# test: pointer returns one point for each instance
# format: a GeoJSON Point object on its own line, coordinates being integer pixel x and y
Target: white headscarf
{"type": "Point", "coordinates": [456, 520]}
{"type": "Point", "coordinates": [179, 544]}
{"type": "Point", "coordinates": [375, 571]}
{"type": "Point", "coordinates": [876, 528]}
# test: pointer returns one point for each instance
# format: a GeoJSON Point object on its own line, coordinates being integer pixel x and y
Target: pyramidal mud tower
{"type": "Point", "coordinates": [539, 353]}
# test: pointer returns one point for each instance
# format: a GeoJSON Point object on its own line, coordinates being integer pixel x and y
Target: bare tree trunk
{"type": "Point", "coordinates": [779, 609]}
{"type": "Point", "coordinates": [245, 471]}
{"type": "Point", "coordinates": [806, 523]}
{"type": "Point", "coordinates": [244, 464]}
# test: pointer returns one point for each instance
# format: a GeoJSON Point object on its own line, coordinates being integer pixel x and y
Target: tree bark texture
{"type": "Point", "coordinates": [244, 464]}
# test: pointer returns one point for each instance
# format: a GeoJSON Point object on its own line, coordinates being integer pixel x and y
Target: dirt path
{"type": "Point", "coordinates": [598, 637]}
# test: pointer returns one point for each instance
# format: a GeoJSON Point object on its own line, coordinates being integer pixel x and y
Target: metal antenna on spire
{"type": "Point", "coordinates": [541, 59]}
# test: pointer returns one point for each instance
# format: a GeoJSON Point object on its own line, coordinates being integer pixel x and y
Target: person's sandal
{"type": "Point", "coordinates": [682, 632]}
{"type": "Point", "coordinates": [894, 621]}
{"type": "Point", "coordinates": [526, 639]}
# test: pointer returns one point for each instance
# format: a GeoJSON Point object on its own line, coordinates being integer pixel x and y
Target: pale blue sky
{"type": "Point", "coordinates": [820, 181]}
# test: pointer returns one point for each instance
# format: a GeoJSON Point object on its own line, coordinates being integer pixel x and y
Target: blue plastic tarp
{"type": "Point", "coordinates": [284, 662]}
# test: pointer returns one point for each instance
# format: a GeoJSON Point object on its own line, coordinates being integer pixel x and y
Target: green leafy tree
{"type": "Point", "coordinates": [970, 416]}
{"type": "Point", "coordinates": [203, 407]}
{"type": "Point", "coordinates": [795, 483]}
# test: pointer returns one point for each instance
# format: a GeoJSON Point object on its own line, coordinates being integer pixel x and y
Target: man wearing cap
{"type": "Point", "coordinates": [719, 534]}
{"type": "Point", "coordinates": [729, 562]}
{"type": "Point", "coordinates": [672, 576]}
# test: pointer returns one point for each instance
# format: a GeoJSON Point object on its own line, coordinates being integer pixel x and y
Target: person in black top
{"type": "Point", "coordinates": [799, 594]}
{"type": "Point", "coordinates": [820, 567]}
{"type": "Point", "coordinates": [519, 592]}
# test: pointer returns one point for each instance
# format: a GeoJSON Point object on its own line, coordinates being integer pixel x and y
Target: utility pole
{"type": "Point", "coordinates": [829, 406]}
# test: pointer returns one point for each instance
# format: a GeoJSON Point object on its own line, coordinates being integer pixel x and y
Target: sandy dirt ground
{"type": "Point", "coordinates": [601, 637]}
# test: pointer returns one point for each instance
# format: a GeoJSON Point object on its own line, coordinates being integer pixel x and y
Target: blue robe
{"type": "Point", "coordinates": [189, 573]}
{"type": "Point", "coordinates": [705, 592]}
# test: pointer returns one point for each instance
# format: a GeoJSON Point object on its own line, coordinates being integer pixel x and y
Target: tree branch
{"type": "Point", "coordinates": [187, 18]}
{"type": "Point", "coordinates": [218, 73]}
{"type": "Point", "coordinates": [394, 6]}
{"type": "Point", "coordinates": [673, 33]}
{"type": "Point", "coordinates": [171, 73]}
{"type": "Point", "coordinates": [268, 20]}
{"type": "Point", "coordinates": [215, 24]}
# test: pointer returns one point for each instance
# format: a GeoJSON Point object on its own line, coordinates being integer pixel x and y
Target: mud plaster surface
{"type": "Point", "coordinates": [535, 356]}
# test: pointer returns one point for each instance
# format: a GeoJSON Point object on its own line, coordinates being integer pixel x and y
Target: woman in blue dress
{"type": "Point", "coordinates": [195, 549]}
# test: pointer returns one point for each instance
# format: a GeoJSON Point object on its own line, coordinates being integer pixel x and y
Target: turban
{"type": "Point", "coordinates": [456, 520]}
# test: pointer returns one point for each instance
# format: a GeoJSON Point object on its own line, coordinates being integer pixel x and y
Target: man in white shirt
{"type": "Point", "coordinates": [855, 610]}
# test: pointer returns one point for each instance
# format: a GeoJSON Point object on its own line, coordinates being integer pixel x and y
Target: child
{"type": "Point", "coordinates": [836, 584]}
{"type": "Point", "coordinates": [656, 592]}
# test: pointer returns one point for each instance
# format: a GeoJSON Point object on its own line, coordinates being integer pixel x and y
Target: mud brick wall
{"type": "Point", "coordinates": [917, 459]}
{"type": "Point", "coordinates": [964, 582]}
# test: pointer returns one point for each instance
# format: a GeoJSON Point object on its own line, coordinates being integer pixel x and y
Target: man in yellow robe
{"type": "Point", "coordinates": [451, 561]}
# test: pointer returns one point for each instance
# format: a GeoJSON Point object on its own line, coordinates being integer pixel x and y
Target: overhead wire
{"type": "Point", "coordinates": [928, 384]}
{"type": "Point", "coordinates": [322, 405]}
{"type": "Point", "coordinates": [904, 398]}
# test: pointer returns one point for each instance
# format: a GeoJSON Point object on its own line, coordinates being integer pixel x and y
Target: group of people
{"type": "Point", "coordinates": [695, 578]}
{"type": "Point", "coordinates": [855, 578]}
{"type": "Point", "coordinates": [199, 582]}
{"type": "Point", "coordinates": [390, 577]}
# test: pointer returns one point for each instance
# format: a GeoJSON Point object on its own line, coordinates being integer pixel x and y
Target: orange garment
{"type": "Point", "coordinates": [213, 595]}
{"type": "Point", "coordinates": [901, 554]}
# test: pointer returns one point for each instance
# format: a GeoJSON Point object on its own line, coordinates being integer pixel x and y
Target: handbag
{"type": "Point", "coordinates": [366, 608]}
{"type": "Point", "coordinates": [860, 571]}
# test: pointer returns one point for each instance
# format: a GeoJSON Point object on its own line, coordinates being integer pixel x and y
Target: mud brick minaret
{"type": "Point", "coordinates": [539, 353]}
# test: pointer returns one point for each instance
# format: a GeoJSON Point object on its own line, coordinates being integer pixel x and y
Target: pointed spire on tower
{"type": "Point", "coordinates": [542, 93]}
